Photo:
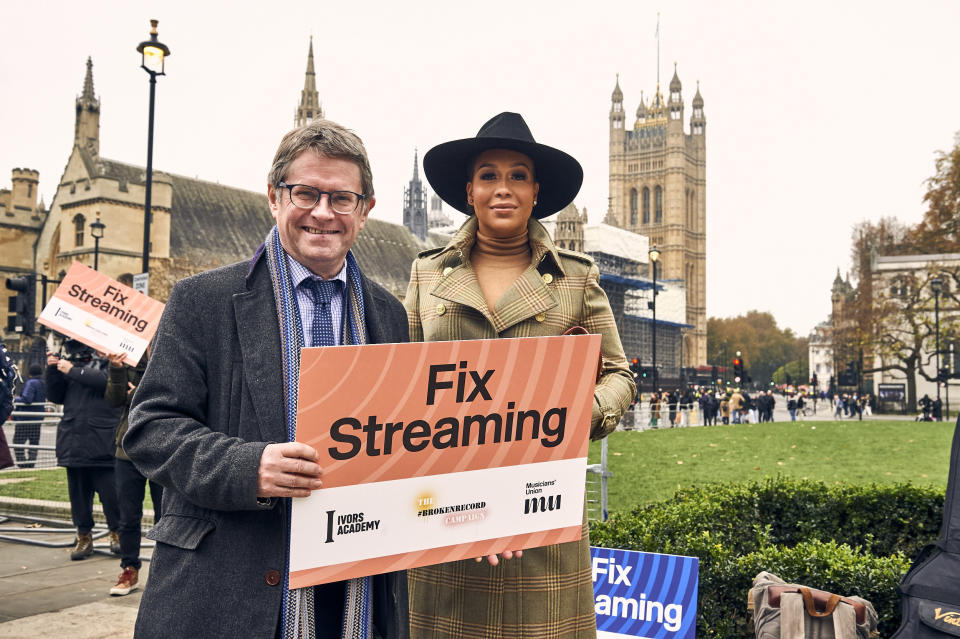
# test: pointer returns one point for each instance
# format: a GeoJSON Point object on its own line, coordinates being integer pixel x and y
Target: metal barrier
{"type": "Point", "coordinates": [26, 426]}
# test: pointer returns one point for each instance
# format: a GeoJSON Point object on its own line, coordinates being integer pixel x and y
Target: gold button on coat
{"type": "Point", "coordinates": [447, 271]}
{"type": "Point", "coordinates": [547, 278]}
{"type": "Point", "coordinates": [540, 317]}
{"type": "Point", "coordinates": [441, 309]}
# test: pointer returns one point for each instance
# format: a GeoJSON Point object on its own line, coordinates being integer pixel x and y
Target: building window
{"type": "Point", "coordinates": [658, 204]}
{"type": "Point", "coordinates": [633, 207]}
{"type": "Point", "coordinates": [78, 225]}
{"type": "Point", "coordinates": [646, 205]}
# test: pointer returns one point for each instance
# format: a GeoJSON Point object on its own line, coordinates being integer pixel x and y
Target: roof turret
{"type": "Point", "coordinates": [617, 93]}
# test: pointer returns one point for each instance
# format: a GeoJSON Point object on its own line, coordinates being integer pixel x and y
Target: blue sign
{"type": "Point", "coordinates": [639, 594]}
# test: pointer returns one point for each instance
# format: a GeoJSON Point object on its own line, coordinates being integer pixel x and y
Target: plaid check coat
{"type": "Point", "coordinates": [549, 591]}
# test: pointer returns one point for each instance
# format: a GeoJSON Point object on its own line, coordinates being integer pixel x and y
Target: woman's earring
{"type": "Point", "coordinates": [534, 202]}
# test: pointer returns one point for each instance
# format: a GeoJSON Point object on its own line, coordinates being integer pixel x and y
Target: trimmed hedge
{"type": "Point", "coordinates": [852, 540]}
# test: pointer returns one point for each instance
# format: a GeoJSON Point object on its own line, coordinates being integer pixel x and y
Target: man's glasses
{"type": "Point", "coordinates": [303, 196]}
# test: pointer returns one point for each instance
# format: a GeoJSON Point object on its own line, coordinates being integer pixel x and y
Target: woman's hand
{"type": "Point", "coordinates": [507, 554]}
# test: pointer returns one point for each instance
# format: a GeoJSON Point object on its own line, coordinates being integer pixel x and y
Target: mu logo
{"type": "Point", "coordinates": [541, 504]}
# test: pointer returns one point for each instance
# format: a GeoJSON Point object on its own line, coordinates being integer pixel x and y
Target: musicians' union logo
{"type": "Point", "coordinates": [541, 504]}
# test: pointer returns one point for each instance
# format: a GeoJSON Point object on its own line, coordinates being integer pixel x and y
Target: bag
{"type": "Point", "coordinates": [9, 375]}
{"type": "Point", "coordinates": [789, 611]}
{"type": "Point", "coordinates": [930, 591]}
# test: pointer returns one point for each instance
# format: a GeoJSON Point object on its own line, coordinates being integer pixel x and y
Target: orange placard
{"type": "Point", "coordinates": [441, 451]}
{"type": "Point", "coordinates": [102, 313]}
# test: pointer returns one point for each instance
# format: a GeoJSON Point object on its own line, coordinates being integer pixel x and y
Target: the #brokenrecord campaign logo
{"type": "Point", "coordinates": [348, 524]}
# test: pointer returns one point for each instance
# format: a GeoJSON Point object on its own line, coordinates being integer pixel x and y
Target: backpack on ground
{"type": "Point", "coordinates": [930, 591]}
{"type": "Point", "coordinates": [791, 611]}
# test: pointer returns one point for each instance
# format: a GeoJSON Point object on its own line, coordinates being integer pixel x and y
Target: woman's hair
{"type": "Point", "coordinates": [326, 138]}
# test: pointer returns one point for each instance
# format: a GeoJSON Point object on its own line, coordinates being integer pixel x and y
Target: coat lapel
{"type": "Point", "coordinates": [259, 334]}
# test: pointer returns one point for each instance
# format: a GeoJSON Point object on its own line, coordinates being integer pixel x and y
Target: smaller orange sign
{"type": "Point", "coordinates": [102, 313]}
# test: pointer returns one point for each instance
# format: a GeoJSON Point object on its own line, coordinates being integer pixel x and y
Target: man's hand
{"type": "Point", "coordinates": [116, 359]}
{"type": "Point", "coordinates": [507, 554]}
{"type": "Point", "coordinates": [64, 366]}
{"type": "Point", "coordinates": [52, 359]}
{"type": "Point", "coordinates": [288, 470]}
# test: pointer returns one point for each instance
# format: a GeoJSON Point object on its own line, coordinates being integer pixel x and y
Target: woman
{"type": "Point", "coordinates": [501, 276]}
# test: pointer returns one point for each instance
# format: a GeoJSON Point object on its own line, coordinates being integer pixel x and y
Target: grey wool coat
{"type": "Point", "coordinates": [209, 402]}
{"type": "Point", "coordinates": [548, 593]}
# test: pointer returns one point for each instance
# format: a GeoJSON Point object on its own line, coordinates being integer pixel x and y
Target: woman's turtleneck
{"type": "Point", "coordinates": [498, 262]}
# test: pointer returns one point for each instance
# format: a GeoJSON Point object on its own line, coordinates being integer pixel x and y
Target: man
{"type": "Point", "coordinates": [85, 440]}
{"type": "Point", "coordinates": [131, 485]}
{"type": "Point", "coordinates": [213, 416]}
{"type": "Point", "coordinates": [32, 398]}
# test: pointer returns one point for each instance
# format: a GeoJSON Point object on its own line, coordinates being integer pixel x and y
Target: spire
{"type": "Point", "coordinates": [88, 96]}
{"type": "Point", "coordinates": [675, 82]}
{"type": "Point", "coordinates": [86, 126]}
{"type": "Point", "coordinates": [698, 99]}
{"type": "Point", "coordinates": [415, 203]}
{"type": "Point", "coordinates": [309, 108]}
{"type": "Point", "coordinates": [617, 93]}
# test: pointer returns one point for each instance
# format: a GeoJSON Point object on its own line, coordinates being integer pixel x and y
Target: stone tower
{"type": "Point", "coordinates": [658, 189]}
{"type": "Point", "coordinates": [86, 127]}
{"type": "Point", "coordinates": [568, 233]}
{"type": "Point", "coordinates": [415, 203]}
{"type": "Point", "coordinates": [309, 108]}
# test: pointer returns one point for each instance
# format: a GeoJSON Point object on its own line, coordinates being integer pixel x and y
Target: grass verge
{"type": "Point", "coordinates": [651, 465]}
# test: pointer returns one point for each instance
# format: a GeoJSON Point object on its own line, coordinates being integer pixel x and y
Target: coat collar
{"type": "Point", "coordinates": [526, 298]}
{"type": "Point", "coordinates": [542, 248]}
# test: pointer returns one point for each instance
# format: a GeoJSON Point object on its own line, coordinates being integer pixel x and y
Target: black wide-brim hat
{"type": "Point", "coordinates": [558, 173]}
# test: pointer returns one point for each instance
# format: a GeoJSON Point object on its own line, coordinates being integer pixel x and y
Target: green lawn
{"type": "Point", "coordinates": [49, 484]}
{"type": "Point", "coordinates": [649, 466]}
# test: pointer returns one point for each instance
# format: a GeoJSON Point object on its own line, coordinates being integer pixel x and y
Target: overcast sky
{"type": "Point", "coordinates": [819, 114]}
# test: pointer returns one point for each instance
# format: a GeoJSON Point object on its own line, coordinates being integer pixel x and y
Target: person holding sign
{"type": "Point", "coordinates": [502, 276]}
{"type": "Point", "coordinates": [214, 417]}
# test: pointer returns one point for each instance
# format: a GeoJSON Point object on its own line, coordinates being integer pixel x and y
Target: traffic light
{"type": "Point", "coordinates": [737, 369]}
{"type": "Point", "coordinates": [714, 374]}
{"type": "Point", "coordinates": [635, 367]}
{"type": "Point", "coordinates": [22, 305]}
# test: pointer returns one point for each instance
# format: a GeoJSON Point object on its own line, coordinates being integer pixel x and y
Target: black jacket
{"type": "Point", "coordinates": [85, 434]}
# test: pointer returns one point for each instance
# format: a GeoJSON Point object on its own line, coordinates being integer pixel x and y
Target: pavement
{"type": "Point", "coordinates": [45, 594]}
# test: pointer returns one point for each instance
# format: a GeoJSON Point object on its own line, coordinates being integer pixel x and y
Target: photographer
{"type": "Point", "coordinates": [85, 444]}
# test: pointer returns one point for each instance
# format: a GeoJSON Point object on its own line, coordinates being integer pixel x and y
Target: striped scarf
{"type": "Point", "coordinates": [297, 610]}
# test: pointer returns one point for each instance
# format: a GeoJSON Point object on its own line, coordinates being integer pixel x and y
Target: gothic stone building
{"type": "Point", "coordinates": [658, 189]}
{"type": "Point", "coordinates": [196, 225]}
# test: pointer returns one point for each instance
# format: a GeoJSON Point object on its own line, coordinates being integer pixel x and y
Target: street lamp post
{"type": "Point", "coordinates": [936, 285]}
{"type": "Point", "coordinates": [96, 230]}
{"type": "Point", "coordinates": [654, 254]}
{"type": "Point", "coordinates": [153, 53]}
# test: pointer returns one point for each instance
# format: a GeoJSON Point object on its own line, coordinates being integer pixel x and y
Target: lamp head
{"type": "Point", "coordinates": [153, 52]}
{"type": "Point", "coordinates": [96, 228]}
{"type": "Point", "coordinates": [936, 285]}
{"type": "Point", "coordinates": [654, 253]}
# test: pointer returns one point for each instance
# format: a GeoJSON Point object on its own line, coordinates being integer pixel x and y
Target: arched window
{"type": "Point", "coordinates": [646, 205]}
{"type": "Point", "coordinates": [658, 204]}
{"type": "Point", "coordinates": [78, 225]}
{"type": "Point", "coordinates": [633, 207]}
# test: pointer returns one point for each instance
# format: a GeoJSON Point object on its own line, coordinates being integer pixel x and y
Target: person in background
{"type": "Point", "coordinates": [32, 397]}
{"type": "Point", "coordinates": [85, 440]}
{"type": "Point", "coordinates": [131, 484]}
